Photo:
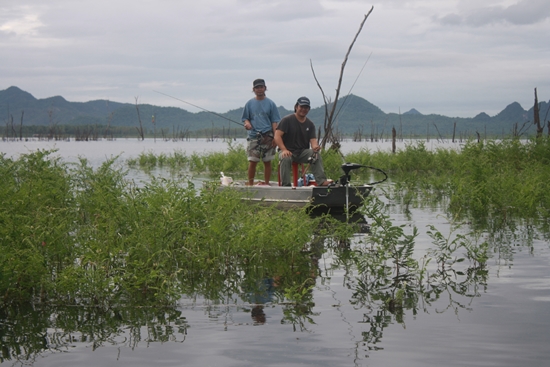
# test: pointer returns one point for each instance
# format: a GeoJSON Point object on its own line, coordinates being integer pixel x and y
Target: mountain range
{"type": "Point", "coordinates": [356, 116]}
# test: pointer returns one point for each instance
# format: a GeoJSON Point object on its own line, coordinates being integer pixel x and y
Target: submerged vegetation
{"type": "Point", "coordinates": [125, 253]}
{"type": "Point", "coordinates": [484, 180]}
{"type": "Point", "coordinates": [78, 235]}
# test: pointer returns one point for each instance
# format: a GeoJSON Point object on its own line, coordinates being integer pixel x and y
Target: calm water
{"type": "Point", "coordinates": [504, 321]}
{"type": "Point", "coordinates": [98, 151]}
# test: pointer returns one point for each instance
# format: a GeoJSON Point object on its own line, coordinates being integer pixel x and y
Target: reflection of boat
{"type": "Point", "coordinates": [334, 198]}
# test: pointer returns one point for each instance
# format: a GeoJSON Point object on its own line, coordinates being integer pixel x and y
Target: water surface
{"type": "Point", "coordinates": [503, 320]}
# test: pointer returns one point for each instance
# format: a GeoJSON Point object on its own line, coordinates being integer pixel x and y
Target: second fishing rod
{"type": "Point", "coordinates": [204, 109]}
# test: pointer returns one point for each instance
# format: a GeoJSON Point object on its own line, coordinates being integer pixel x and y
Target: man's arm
{"type": "Point", "coordinates": [274, 127]}
{"type": "Point", "coordinates": [279, 141]}
{"type": "Point", "coordinates": [314, 144]}
{"type": "Point", "coordinates": [246, 117]}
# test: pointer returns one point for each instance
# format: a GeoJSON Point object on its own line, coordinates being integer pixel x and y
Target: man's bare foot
{"type": "Point", "coordinates": [327, 182]}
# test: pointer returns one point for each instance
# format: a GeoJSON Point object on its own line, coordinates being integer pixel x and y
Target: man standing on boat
{"type": "Point", "coordinates": [260, 118]}
{"type": "Point", "coordinates": [294, 136]}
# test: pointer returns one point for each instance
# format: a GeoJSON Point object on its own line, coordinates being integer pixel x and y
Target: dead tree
{"type": "Point", "coordinates": [14, 133]}
{"type": "Point", "coordinates": [107, 134]}
{"type": "Point", "coordinates": [154, 122]}
{"type": "Point", "coordinates": [454, 131]}
{"type": "Point", "coordinates": [140, 128]}
{"type": "Point", "coordinates": [52, 127]}
{"type": "Point", "coordinates": [393, 138]}
{"type": "Point", "coordinates": [21, 126]}
{"type": "Point", "coordinates": [330, 115]}
{"type": "Point", "coordinates": [536, 117]}
{"type": "Point", "coordinates": [438, 133]}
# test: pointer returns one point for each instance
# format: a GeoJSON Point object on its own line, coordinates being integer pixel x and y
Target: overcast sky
{"type": "Point", "coordinates": [454, 57]}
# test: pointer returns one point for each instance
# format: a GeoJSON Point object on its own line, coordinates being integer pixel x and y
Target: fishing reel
{"type": "Point", "coordinates": [313, 158]}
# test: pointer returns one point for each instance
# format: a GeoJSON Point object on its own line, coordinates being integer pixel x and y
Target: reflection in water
{"type": "Point", "coordinates": [385, 284]}
{"type": "Point", "coordinates": [27, 332]}
{"type": "Point", "coordinates": [258, 314]}
{"type": "Point", "coordinates": [380, 290]}
{"type": "Point", "coordinates": [260, 295]}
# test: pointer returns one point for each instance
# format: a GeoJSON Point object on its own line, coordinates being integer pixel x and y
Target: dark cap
{"type": "Point", "coordinates": [258, 83]}
{"type": "Point", "coordinates": [303, 101]}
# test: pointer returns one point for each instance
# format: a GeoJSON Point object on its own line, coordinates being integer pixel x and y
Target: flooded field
{"type": "Point", "coordinates": [498, 315]}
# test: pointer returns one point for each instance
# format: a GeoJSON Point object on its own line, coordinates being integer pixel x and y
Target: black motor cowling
{"type": "Point", "coordinates": [347, 168]}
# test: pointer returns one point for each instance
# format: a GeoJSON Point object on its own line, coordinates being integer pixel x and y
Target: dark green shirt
{"type": "Point", "coordinates": [297, 135]}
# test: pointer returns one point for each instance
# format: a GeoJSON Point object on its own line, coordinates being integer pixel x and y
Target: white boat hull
{"type": "Point", "coordinates": [320, 198]}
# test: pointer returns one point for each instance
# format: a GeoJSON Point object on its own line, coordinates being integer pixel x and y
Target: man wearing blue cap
{"type": "Point", "coordinates": [296, 139]}
{"type": "Point", "coordinates": [260, 118]}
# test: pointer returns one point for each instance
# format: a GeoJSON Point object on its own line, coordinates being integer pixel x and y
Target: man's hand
{"type": "Point", "coordinates": [247, 125]}
{"type": "Point", "coordinates": [286, 154]}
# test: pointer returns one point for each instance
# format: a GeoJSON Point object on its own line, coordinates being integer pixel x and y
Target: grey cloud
{"type": "Point", "coordinates": [283, 10]}
{"type": "Point", "coordinates": [527, 12]}
{"type": "Point", "coordinates": [451, 19]}
{"type": "Point", "coordinates": [522, 13]}
{"type": "Point", "coordinates": [90, 49]}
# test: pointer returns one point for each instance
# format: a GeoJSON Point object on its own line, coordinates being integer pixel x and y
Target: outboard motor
{"type": "Point", "coordinates": [347, 168]}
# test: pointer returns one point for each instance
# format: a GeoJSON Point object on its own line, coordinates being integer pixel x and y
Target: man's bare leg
{"type": "Point", "coordinates": [267, 172]}
{"type": "Point", "coordinates": [251, 172]}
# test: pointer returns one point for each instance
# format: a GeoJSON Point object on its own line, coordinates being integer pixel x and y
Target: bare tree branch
{"type": "Point", "coordinates": [325, 101]}
{"type": "Point", "coordinates": [140, 128]}
{"type": "Point", "coordinates": [329, 116]}
{"type": "Point", "coordinates": [536, 116]}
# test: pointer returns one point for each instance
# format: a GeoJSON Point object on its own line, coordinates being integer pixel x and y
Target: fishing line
{"type": "Point", "coordinates": [204, 109]}
{"type": "Point", "coordinates": [351, 88]}
{"type": "Point", "coordinates": [344, 104]}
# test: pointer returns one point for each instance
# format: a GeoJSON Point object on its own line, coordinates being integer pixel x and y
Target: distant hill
{"type": "Point", "coordinates": [412, 111]}
{"type": "Point", "coordinates": [354, 114]}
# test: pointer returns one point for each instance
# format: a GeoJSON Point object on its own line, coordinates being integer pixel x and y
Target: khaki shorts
{"type": "Point", "coordinates": [261, 149]}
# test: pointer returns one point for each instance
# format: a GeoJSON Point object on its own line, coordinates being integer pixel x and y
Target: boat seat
{"type": "Point", "coordinates": [295, 174]}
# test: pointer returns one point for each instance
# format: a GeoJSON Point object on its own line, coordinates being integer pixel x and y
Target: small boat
{"type": "Point", "coordinates": [339, 196]}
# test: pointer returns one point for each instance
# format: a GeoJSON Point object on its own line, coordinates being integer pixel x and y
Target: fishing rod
{"type": "Point", "coordinates": [204, 109]}
{"type": "Point", "coordinates": [351, 88]}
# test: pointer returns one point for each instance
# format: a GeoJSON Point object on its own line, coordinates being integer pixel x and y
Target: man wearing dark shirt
{"type": "Point", "coordinates": [296, 139]}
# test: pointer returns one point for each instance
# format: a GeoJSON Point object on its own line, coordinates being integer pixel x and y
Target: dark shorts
{"type": "Point", "coordinates": [261, 149]}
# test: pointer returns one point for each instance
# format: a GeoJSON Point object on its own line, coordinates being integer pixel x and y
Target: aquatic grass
{"type": "Point", "coordinates": [177, 159]}
{"type": "Point", "coordinates": [196, 163]}
{"type": "Point", "coordinates": [233, 162]}
{"type": "Point", "coordinates": [332, 162]}
{"type": "Point", "coordinates": [501, 178]}
{"type": "Point", "coordinates": [393, 277]}
{"type": "Point", "coordinates": [101, 230]}
{"type": "Point", "coordinates": [147, 160]}
{"type": "Point", "coordinates": [89, 236]}
{"type": "Point", "coordinates": [507, 178]}
{"type": "Point", "coordinates": [35, 221]}
{"type": "Point", "coordinates": [121, 248]}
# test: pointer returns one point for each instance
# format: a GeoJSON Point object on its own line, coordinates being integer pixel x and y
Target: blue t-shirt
{"type": "Point", "coordinates": [261, 114]}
